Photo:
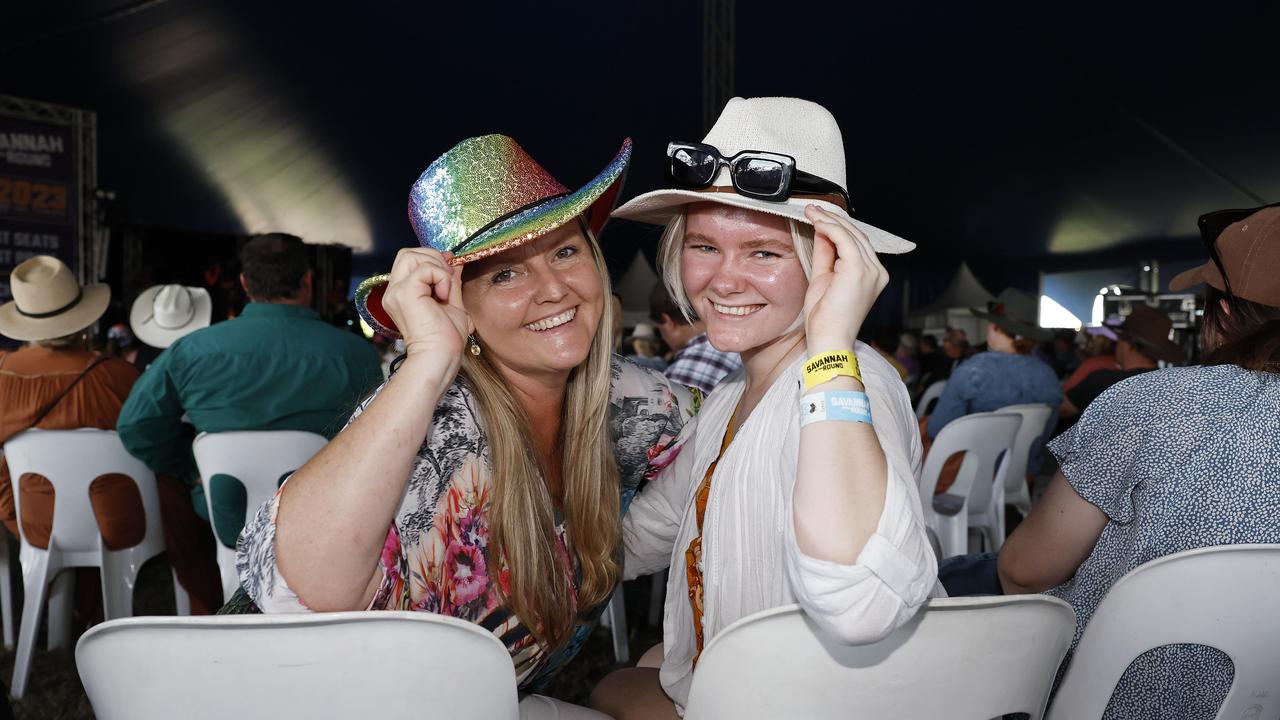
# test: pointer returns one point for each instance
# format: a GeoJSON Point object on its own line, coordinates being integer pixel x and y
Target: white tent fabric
{"type": "Point", "coordinates": [951, 309]}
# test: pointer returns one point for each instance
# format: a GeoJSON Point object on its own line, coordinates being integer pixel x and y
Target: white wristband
{"type": "Point", "coordinates": [841, 405]}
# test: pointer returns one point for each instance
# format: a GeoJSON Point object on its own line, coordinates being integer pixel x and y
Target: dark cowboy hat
{"type": "Point", "coordinates": [1148, 330]}
{"type": "Point", "coordinates": [1016, 313]}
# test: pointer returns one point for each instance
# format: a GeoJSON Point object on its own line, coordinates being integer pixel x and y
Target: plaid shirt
{"type": "Point", "coordinates": [701, 366]}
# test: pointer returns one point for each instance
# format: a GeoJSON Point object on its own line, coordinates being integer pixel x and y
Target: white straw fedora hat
{"type": "Point", "coordinates": [48, 301]}
{"type": "Point", "coordinates": [803, 130]}
{"type": "Point", "coordinates": [164, 313]}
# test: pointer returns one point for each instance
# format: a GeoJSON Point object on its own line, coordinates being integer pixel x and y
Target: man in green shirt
{"type": "Point", "coordinates": [277, 366]}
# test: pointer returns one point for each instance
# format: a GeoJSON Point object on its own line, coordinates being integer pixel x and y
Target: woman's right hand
{"type": "Point", "coordinates": [424, 299]}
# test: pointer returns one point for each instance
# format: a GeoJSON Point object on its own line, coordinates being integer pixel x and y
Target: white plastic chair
{"type": "Point", "coordinates": [1035, 417]}
{"type": "Point", "coordinates": [977, 657]}
{"type": "Point", "coordinates": [983, 437]}
{"type": "Point", "coordinates": [1011, 485]}
{"type": "Point", "coordinates": [6, 587]}
{"type": "Point", "coordinates": [72, 460]}
{"type": "Point", "coordinates": [931, 393]}
{"type": "Point", "coordinates": [331, 665]}
{"type": "Point", "coordinates": [259, 460]}
{"type": "Point", "coordinates": [1223, 597]}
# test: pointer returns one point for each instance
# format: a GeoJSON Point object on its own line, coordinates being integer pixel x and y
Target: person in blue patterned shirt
{"type": "Point", "coordinates": [1168, 461]}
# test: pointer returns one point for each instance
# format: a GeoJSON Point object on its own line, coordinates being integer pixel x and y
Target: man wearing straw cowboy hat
{"type": "Point", "coordinates": [57, 382]}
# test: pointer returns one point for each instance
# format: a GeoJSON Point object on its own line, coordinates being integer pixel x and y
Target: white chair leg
{"type": "Point", "coordinates": [35, 576]}
{"type": "Point", "coordinates": [6, 593]}
{"type": "Point", "coordinates": [181, 601]}
{"type": "Point", "coordinates": [62, 591]}
{"type": "Point", "coordinates": [618, 623]}
{"type": "Point", "coordinates": [657, 594]}
{"type": "Point", "coordinates": [117, 585]}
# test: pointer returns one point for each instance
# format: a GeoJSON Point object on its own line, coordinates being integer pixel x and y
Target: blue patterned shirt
{"type": "Point", "coordinates": [1178, 459]}
{"type": "Point", "coordinates": [989, 381]}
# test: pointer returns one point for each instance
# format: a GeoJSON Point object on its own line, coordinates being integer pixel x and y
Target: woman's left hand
{"type": "Point", "coordinates": [846, 280]}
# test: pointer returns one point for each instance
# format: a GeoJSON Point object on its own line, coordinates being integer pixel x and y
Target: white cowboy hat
{"type": "Point", "coordinates": [643, 331]}
{"type": "Point", "coordinates": [804, 130]}
{"type": "Point", "coordinates": [48, 301]}
{"type": "Point", "coordinates": [164, 313]}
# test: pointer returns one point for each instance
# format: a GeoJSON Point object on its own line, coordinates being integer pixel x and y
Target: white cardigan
{"type": "Point", "coordinates": [749, 542]}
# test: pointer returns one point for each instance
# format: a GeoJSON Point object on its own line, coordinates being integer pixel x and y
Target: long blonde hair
{"type": "Point", "coordinates": [522, 537]}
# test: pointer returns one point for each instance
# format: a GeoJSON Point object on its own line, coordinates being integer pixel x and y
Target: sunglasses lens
{"type": "Point", "coordinates": [758, 176]}
{"type": "Point", "coordinates": [694, 168]}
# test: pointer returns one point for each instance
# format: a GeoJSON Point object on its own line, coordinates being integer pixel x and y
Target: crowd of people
{"type": "Point", "coordinates": [523, 457]}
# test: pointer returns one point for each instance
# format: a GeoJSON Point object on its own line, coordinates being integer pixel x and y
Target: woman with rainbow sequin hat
{"type": "Point", "coordinates": [487, 478]}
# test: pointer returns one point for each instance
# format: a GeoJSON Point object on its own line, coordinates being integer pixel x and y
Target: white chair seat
{"type": "Point", "coordinates": [332, 665]}
{"type": "Point", "coordinates": [957, 658]}
{"type": "Point", "coordinates": [71, 460]}
{"type": "Point", "coordinates": [948, 504]}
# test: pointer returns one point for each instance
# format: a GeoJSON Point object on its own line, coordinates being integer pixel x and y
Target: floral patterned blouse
{"type": "Point", "coordinates": [435, 556]}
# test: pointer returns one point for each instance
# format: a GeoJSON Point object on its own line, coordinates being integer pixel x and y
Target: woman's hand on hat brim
{"type": "Point", "coordinates": [847, 278]}
{"type": "Point", "coordinates": [424, 299]}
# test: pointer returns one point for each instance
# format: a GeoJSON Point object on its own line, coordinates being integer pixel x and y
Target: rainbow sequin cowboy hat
{"type": "Point", "coordinates": [487, 195]}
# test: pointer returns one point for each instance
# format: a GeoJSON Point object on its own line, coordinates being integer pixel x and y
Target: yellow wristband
{"type": "Point", "coordinates": [824, 366]}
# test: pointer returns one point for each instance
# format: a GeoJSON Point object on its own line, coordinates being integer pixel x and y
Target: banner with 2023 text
{"type": "Point", "coordinates": [39, 181]}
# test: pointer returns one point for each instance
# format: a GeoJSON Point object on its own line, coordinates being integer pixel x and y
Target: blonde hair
{"type": "Point", "coordinates": [522, 535]}
{"type": "Point", "coordinates": [671, 246]}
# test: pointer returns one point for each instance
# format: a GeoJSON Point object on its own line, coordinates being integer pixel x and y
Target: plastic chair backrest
{"type": "Point", "coordinates": [72, 460]}
{"type": "Point", "coordinates": [332, 665]}
{"type": "Point", "coordinates": [1034, 418]}
{"type": "Point", "coordinates": [975, 657]}
{"type": "Point", "coordinates": [983, 437]}
{"type": "Point", "coordinates": [931, 393]}
{"type": "Point", "coordinates": [1220, 596]}
{"type": "Point", "coordinates": [259, 460]}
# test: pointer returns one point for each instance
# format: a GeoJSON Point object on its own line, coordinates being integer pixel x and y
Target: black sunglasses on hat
{"type": "Point", "coordinates": [754, 173]}
{"type": "Point", "coordinates": [1211, 226]}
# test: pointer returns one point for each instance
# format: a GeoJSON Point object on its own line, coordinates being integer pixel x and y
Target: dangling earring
{"type": "Point", "coordinates": [473, 345]}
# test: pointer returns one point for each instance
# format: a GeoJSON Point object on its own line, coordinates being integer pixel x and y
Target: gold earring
{"type": "Point", "coordinates": [473, 345]}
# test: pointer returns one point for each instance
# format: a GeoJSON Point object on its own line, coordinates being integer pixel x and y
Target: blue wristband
{"type": "Point", "coordinates": [841, 405]}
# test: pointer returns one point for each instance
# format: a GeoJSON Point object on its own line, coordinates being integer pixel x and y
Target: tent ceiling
{"type": "Point", "coordinates": [982, 130]}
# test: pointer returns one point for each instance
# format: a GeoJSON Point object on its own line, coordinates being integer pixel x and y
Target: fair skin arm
{"type": "Point", "coordinates": [335, 511]}
{"type": "Point", "coordinates": [1051, 544]}
{"type": "Point", "coordinates": [841, 479]}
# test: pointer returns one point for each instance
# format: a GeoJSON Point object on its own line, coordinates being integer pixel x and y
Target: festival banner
{"type": "Point", "coordinates": [39, 193]}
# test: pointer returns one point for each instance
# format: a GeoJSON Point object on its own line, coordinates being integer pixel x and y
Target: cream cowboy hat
{"type": "Point", "coordinates": [164, 313]}
{"type": "Point", "coordinates": [48, 301]}
{"type": "Point", "coordinates": [803, 130]}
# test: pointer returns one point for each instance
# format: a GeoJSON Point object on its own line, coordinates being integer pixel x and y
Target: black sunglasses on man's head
{"type": "Point", "coordinates": [754, 173]}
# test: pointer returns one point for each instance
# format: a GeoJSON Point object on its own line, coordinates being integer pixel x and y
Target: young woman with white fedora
{"type": "Point", "coordinates": [796, 482]}
{"type": "Point", "coordinates": [486, 479]}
